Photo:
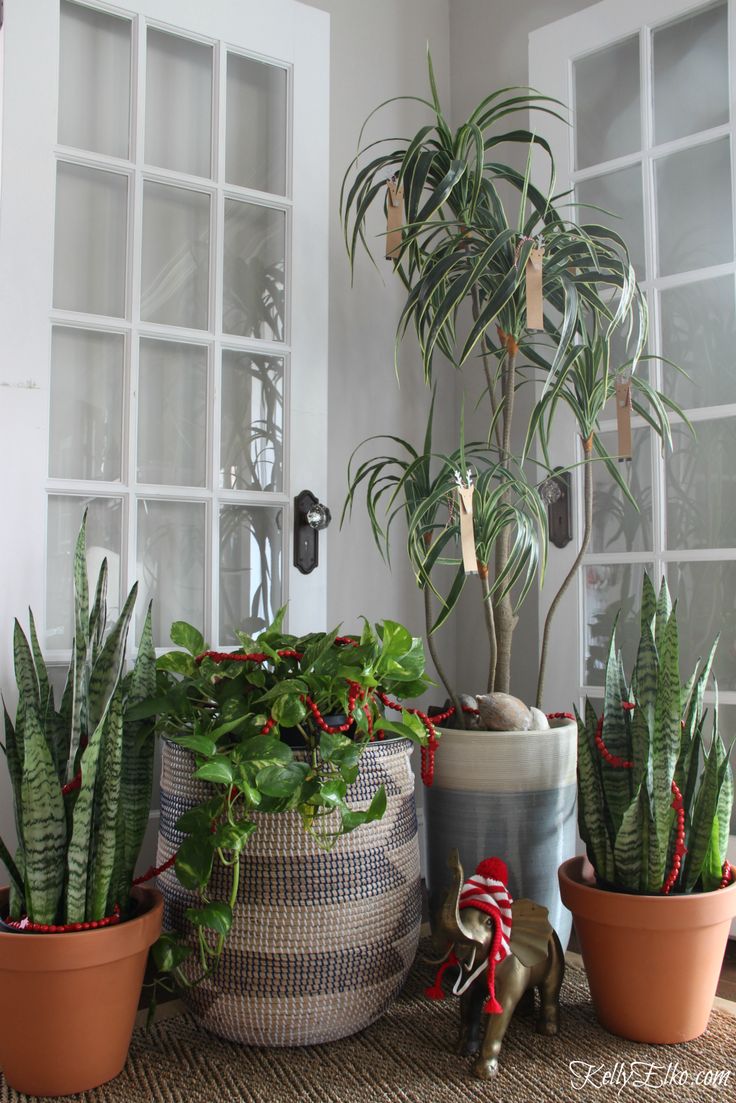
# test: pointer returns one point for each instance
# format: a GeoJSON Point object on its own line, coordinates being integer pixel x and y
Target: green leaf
{"type": "Point", "coordinates": [202, 744]}
{"type": "Point", "coordinates": [13, 871]}
{"type": "Point", "coordinates": [234, 836]}
{"type": "Point", "coordinates": [177, 662]}
{"type": "Point", "coordinates": [186, 636]}
{"type": "Point", "coordinates": [194, 861]}
{"type": "Point", "coordinates": [704, 816]}
{"type": "Point", "coordinates": [169, 952]}
{"type": "Point", "coordinates": [332, 792]}
{"type": "Point", "coordinates": [288, 710]}
{"type": "Point", "coordinates": [217, 915]}
{"type": "Point", "coordinates": [200, 817]}
{"type": "Point", "coordinates": [264, 750]}
{"type": "Point", "coordinates": [44, 825]}
{"type": "Point", "coordinates": [107, 812]}
{"type": "Point", "coordinates": [352, 819]}
{"type": "Point", "coordinates": [282, 781]}
{"type": "Point", "coordinates": [631, 851]}
{"type": "Point", "coordinates": [218, 770]}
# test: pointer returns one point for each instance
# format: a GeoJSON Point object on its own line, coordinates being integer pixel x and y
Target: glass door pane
{"type": "Point", "coordinates": [86, 414]}
{"type": "Point", "coordinates": [607, 104]}
{"type": "Point", "coordinates": [254, 276]}
{"type": "Point", "coordinates": [256, 124]}
{"type": "Point", "coordinates": [172, 416]}
{"type": "Point", "coordinates": [250, 569]}
{"type": "Point", "coordinates": [90, 240]}
{"type": "Point", "coordinates": [178, 104]}
{"type": "Point", "coordinates": [171, 564]}
{"type": "Point", "coordinates": [690, 77]}
{"type": "Point", "coordinates": [694, 200]}
{"type": "Point", "coordinates": [176, 256]}
{"type": "Point", "coordinates": [251, 435]}
{"type": "Point", "coordinates": [94, 80]}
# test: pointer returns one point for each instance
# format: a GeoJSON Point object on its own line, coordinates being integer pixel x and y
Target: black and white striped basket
{"type": "Point", "coordinates": [321, 942]}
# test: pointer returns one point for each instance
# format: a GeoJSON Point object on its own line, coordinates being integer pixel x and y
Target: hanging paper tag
{"type": "Point", "coordinates": [394, 218]}
{"type": "Point", "coordinates": [467, 534]}
{"type": "Point", "coordinates": [534, 306]}
{"type": "Point", "coordinates": [623, 418]}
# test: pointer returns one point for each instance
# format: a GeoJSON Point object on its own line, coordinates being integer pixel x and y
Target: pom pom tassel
{"type": "Point", "coordinates": [436, 992]}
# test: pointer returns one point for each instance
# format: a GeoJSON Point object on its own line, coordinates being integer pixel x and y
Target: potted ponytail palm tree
{"type": "Point", "coordinates": [467, 255]}
{"type": "Point", "coordinates": [75, 932]}
{"type": "Point", "coordinates": [654, 807]}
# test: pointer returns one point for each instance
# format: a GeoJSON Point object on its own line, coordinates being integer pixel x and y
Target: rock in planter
{"type": "Point", "coordinates": [321, 942]}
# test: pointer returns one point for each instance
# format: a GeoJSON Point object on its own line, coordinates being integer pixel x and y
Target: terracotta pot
{"type": "Point", "coordinates": [70, 1001]}
{"type": "Point", "coordinates": [653, 962]}
{"type": "Point", "coordinates": [510, 794]}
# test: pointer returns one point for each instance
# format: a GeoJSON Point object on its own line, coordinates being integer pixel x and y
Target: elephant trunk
{"type": "Point", "coordinates": [449, 924]}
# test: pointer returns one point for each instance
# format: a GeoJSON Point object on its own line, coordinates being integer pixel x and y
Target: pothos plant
{"type": "Point", "coordinates": [473, 225]}
{"type": "Point", "coordinates": [277, 726]}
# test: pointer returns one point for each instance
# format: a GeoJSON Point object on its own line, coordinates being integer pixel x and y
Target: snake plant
{"type": "Point", "coordinates": [81, 774]}
{"type": "Point", "coordinates": [654, 803]}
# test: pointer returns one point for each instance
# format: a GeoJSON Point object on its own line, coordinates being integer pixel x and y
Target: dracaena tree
{"type": "Point", "coordinates": [472, 225]}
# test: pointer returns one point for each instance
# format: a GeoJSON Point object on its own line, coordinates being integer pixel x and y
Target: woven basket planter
{"type": "Point", "coordinates": [321, 942]}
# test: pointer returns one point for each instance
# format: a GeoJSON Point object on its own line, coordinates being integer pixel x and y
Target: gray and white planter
{"type": "Point", "coordinates": [322, 941]}
{"type": "Point", "coordinates": [511, 795]}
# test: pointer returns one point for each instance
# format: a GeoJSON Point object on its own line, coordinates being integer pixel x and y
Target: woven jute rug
{"type": "Point", "coordinates": [407, 1057]}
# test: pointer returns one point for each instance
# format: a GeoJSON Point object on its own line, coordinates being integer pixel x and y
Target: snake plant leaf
{"type": "Point", "coordinates": [107, 670]}
{"type": "Point", "coordinates": [642, 726]}
{"type": "Point", "coordinates": [45, 694]}
{"type": "Point", "coordinates": [631, 848]}
{"type": "Point", "coordinates": [666, 735]}
{"type": "Point", "coordinates": [646, 671]}
{"type": "Point", "coordinates": [663, 611]}
{"type": "Point", "coordinates": [648, 603]}
{"type": "Point", "coordinates": [78, 851]}
{"type": "Point", "coordinates": [617, 781]}
{"type": "Point", "coordinates": [16, 877]}
{"type": "Point", "coordinates": [591, 818]}
{"type": "Point", "coordinates": [98, 616]}
{"type": "Point", "coordinates": [107, 809]}
{"type": "Point", "coordinates": [14, 754]}
{"type": "Point", "coordinates": [44, 825]}
{"type": "Point", "coordinates": [25, 670]}
{"type": "Point", "coordinates": [704, 815]}
{"type": "Point", "coordinates": [17, 900]}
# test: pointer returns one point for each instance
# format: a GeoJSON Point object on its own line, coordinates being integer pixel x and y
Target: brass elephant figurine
{"type": "Point", "coordinates": [503, 951]}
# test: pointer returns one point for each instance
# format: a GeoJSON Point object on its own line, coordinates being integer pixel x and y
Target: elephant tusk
{"type": "Point", "coordinates": [458, 989]}
{"type": "Point", "coordinates": [471, 963]}
{"type": "Point", "coordinates": [436, 960]}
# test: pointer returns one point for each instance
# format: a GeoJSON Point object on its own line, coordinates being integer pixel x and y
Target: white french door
{"type": "Point", "coordinates": [163, 308]}
{"type": "Point", "coordinates": [651, 86]}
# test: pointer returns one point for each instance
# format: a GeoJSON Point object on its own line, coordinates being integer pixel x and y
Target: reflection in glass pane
{"type": "Point", "coordinates": [255, 247]}
{"type": "Point", "coordinates": [172, 414]}
{"type": "Point", "coordinates": [607, 104]}
{"type": "Point", "coordinates": [251, 450]}
{"type": "Point", "coordinates": [694, 222]}
{"type": "Point", "coordinates": [90, 240]}
{"type": "Point", "coordinates": [176, 256]}
{"type": "Point", "coordinates": [620, 194]}
{"type": "Point", "coordinates": [250, 569]}
{"type": "Point", "coordinates": [94, 80]}
{"type": "Point", "coordinates": [256, 125]}
{"type": "Point", "coordinates": [701, 486]}
{"type": "Point", "coordinates": [699, 334]}
{"type": "Point", "coordinates": [706, 604]}
{"type": "Point", "coordinates": [86, 414]}
{"type": "Point", "coordinates": [104, 540]}
{"type": "Point", "coordinates": [617, 526]}
{"type": "Point", "coordinates": [690, 60]}
{"type": "Point", "coordinates": [170, 565]}
{"type": "Point", "coordinates": [178, 104]}
{"type": "Point", "coordinates": [609, 589]}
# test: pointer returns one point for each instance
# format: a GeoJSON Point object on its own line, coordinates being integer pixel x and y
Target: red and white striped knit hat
{"type": "Point", "coordinates": [487, 890]}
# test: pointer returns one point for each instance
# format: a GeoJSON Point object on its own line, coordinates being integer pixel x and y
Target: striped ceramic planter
{"type": "Point", "coordinates": [510, 794]}
{"type": "Point", "coordinates": [321, 942]}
